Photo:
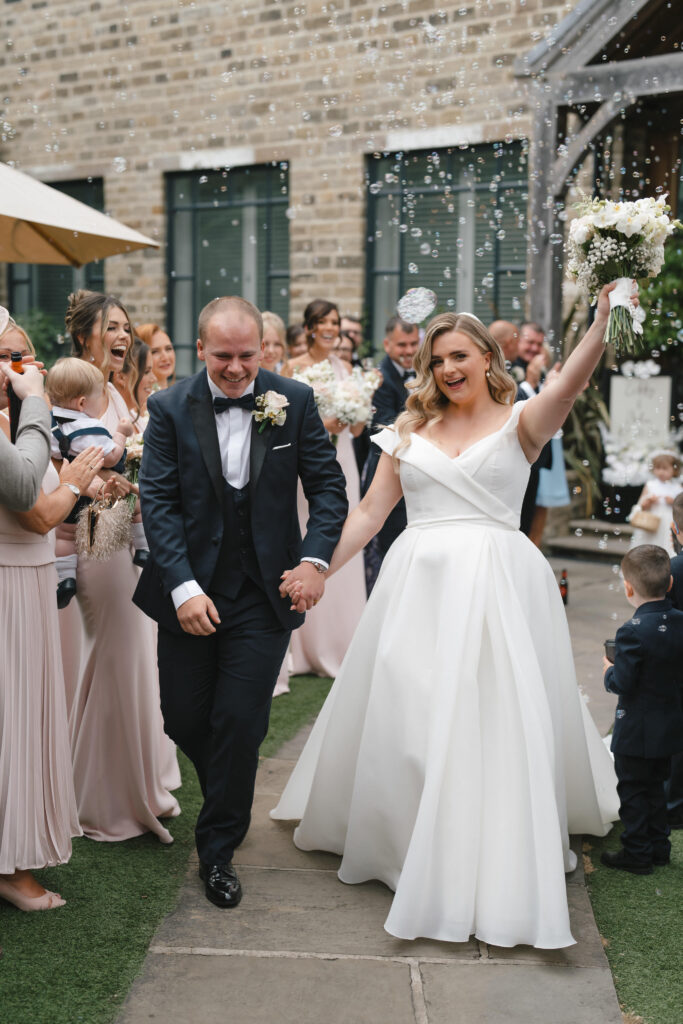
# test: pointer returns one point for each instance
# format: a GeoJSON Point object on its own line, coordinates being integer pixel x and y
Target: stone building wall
{"type": "Point", "coordinates": [131, 91]}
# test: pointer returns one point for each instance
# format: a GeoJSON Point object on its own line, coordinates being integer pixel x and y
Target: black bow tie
{"type": "Point", "coordinates": [243, 402]}
{"type": "Point", "coordinates": [409, 375]}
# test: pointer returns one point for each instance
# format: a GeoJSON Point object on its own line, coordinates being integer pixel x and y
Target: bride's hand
{"type": "Point", "coordinates": [334, 426]}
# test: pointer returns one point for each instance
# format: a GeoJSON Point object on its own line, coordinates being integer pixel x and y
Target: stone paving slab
{"type": "Point", "coordinates": [269, 843]}
{"type": "Point", "coordinates": [177, 989]}
{"type": "Point", "coordinates": [506, 994]}
{"type": "Point", "coordinates": [298, 911]}
{"type": "Point", "coordinates": [588, 951]}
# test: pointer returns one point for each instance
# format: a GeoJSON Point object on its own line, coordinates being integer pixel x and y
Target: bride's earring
{"type": "Point", "coordinates": [488, 373]}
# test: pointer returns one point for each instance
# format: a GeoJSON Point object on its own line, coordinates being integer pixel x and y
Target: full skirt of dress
{"type": "Point", "coordinates": [124, 764]}
{"type": "Point", "coordinates": [454, 754]}
{"type": "Point", "coordinates": [38, 815]}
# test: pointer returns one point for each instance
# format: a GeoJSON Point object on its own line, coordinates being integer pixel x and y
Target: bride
{"type": "Point", "coordinates": [454, 754]}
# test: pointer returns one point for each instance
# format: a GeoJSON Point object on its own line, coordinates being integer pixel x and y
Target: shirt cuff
{"type": "Point", "coordinates": [183, 593]}
{"type": "Point", "coordinates": [316, 561]}
{"type": "Point", "coordinates": [527, 389]}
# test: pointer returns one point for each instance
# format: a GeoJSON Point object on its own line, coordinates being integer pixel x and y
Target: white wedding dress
{"type": "Point", "coordinates": [454, 753]}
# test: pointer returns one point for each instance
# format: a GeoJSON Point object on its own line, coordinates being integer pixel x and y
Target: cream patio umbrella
{"type": "Point", "coordinates": [39, 224]}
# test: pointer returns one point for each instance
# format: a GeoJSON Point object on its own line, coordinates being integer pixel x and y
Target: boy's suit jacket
{"type": "Point", "coordinates": [647, 674]}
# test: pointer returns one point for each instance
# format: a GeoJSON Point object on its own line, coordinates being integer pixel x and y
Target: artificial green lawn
{"type": "Point", "coordinates": [74, 965]}
{"type": "Point", "coordinates": [641, 917]}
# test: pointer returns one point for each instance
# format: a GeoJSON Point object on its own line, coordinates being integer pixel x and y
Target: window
{"type": "Point", "coordinates": [228, 234]}
{"type": "Point", "coordinates": [453, 221]}
{"type": "Point", "coordinates": [44, 289]}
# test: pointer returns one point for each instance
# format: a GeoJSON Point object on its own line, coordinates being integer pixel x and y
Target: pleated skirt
{"type": "Point", "coordinates": [38, 815]}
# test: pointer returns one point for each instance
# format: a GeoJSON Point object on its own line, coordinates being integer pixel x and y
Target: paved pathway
{"type": "Point", "coordinates": [302, 948]}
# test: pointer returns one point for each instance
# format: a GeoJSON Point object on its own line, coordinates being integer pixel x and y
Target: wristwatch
{"type": "Point", "coordinates": [318, 566]}
{"type": "Point", "coordinates": [72, 487]}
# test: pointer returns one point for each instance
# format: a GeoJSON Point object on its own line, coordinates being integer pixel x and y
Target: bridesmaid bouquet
{"type": "Point", "coordinates": [619, 241]}
{"type": "Point", "coordinates": [348, 400]}
{"type": "Point", "coordinates": [134, 447]}
{"type": "Point", "coordinates": [353, 396]}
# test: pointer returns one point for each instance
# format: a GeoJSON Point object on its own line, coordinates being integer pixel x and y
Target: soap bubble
{"type": "Point", "coordinates": [416, 305]}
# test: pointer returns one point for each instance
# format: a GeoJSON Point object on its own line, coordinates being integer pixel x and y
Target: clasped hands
{"type": "Point", "coordinates": [304, 586]}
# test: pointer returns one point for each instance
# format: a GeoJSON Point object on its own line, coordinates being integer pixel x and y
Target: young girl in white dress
{"type": "Point", "coordinates": [454, 754]}
{"type": "Point", "coordinates": [657, 496]}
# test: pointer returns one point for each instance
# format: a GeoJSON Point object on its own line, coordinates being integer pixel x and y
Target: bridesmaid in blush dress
{"type": "Point", "coordinates": [38, 815]}
{"type": "Point", "coordinates": [320, 644]}
{"type": "Point", "coordinates": [124, 764]}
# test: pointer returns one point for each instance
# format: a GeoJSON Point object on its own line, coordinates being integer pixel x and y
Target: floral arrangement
{"type": "Point", "coordinates": [644, 369]}
{"type": "Point", "coordinates": [270, 408]}
{"type": "Point", "coordinates": [628, 462]}
{"type": "Point", "coordinates": [619, 241]}
{"type": "Point", "coordinates": [348, 400]}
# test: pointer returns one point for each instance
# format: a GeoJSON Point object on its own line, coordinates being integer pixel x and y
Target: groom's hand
{"type": "Point", "coordinates": [198, 615]}
{"type": "Point", "coordinates": [304, 586]}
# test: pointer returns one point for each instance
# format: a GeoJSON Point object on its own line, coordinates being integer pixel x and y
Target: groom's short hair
{"type": "Point", "coordinates": [224, 303]}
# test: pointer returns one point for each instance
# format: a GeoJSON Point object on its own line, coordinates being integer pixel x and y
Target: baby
{"type": "Point", "coordinates": [76, 390]}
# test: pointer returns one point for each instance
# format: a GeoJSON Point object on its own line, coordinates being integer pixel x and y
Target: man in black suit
{"type": "Point", "coordinates": [674, 786]}
{"type": "Point", "coordinates": [401, 341]}
{"type": "Point", "coordinates": [218, 491]}
{"type": "Point", "coordinates": [648, 728]}
{"type": "Point", "coordinates": [527, 370]}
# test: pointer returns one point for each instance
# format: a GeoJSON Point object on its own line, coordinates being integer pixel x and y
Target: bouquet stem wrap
{"type": "Point", "coordinates": [625, 319]}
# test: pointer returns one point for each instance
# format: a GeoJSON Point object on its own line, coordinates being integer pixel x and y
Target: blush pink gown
{"type": "Point", "coordinates": [38, 815]}
{"type": "Point", "coordinates": [124, 764]}
{"type": "Point", "coordinates": [319, 646]}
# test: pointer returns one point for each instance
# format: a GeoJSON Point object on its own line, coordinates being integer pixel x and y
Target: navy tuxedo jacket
{"type": "Point", "coordinates": [676, 592]}
{"type": "Point", "coordinates": [648, 676]}
{"type": "Point", "coordinates": [182, 487]}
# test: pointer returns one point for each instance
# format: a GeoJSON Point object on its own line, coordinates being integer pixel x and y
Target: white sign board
{"type": "Point", "coordinates": [640, 410]}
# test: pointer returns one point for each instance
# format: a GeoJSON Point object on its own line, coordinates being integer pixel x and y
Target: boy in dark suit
{"type": "Point", "coordinates": [648, 729]}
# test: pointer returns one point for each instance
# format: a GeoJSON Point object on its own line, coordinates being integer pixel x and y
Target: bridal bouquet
{"type": "Point", "coordinates": [619, 241]}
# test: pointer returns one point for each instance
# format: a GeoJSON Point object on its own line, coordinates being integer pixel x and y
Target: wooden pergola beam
{"type": "Point", "coordinates": [596, 83]}
{"type": "Point", "coordinates": [564, 165]}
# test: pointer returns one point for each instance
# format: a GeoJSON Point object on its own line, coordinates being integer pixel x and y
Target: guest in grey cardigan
{"type": "Point", "coordinates": [23, 464]}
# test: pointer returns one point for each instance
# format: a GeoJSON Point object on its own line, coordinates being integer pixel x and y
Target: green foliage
{"type": "Point", "coordinates": [77, 963]}
{"type": "Point", "coordinates": [662, 300]}
{"type": "Point", "coordinates": [44, 331]}
{"type": "Point", "coordinates": [582, 440]}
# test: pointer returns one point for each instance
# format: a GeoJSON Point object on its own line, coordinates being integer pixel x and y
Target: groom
{"type": "Point", "coordinates": [219, 501]}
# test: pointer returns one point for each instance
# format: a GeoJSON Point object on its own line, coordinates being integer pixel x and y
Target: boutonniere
{"type": "Point", "coordinates": [270, 408]}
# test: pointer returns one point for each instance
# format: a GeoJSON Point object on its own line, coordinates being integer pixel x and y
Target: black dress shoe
{"type": "Point", "coordinates": [621, 860]}
{"type": "Point", "coordinates": [221, 884]}
{"type": "Point", "coordinates": [660, 860]}
{"type": "Point", "coordinates": [141, 557]}
{"type": "Point", "coordinates": [65, 591]}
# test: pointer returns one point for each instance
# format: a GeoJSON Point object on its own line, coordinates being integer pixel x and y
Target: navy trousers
{"type": "Point", "coordinates": [643, 805]}
{"type": "Point", "coordinates": [216, 694]}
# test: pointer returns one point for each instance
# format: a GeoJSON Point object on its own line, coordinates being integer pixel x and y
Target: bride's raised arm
{"type": "Point", "coordinates": [543, 415]}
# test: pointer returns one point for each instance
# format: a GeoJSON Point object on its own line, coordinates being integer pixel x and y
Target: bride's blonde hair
{"type": "Point", "coordinates": [426, 403]}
